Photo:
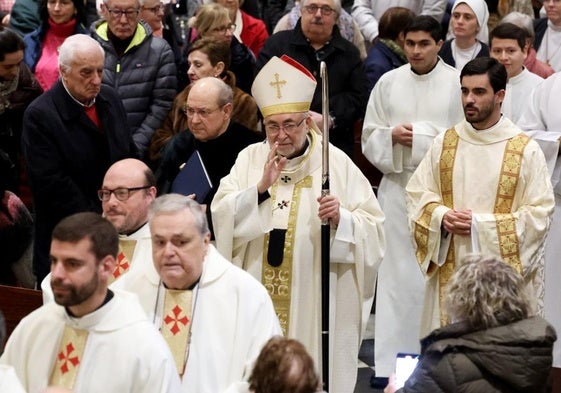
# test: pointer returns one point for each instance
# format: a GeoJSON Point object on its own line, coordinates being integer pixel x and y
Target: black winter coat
{"type": "Point", "coordinates": [508, 359]}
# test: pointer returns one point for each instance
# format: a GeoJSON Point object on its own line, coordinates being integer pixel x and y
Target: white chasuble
{"type": "Point", "coordinates": [506, 186]}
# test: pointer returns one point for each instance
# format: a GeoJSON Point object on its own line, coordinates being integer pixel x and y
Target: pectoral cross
{"type": "Point", "coordinates": [277, 84]}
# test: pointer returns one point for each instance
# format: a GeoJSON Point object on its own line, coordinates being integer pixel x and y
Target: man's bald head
{"type": "Point", "coordinates": [131, 213]}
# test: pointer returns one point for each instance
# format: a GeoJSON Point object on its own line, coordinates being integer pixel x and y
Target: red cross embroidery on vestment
{"type": "Point", "coordinates": [66, 357]}
{"type": "Point", "coordinates": [176, 319]}
{"type": "Point", "coordinates": [122, 265]}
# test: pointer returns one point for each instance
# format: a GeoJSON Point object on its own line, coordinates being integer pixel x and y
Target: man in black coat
{"type": "Point", "coordinates": [71, 135]}
{"type": "Point", "coordinates": [316, 38]}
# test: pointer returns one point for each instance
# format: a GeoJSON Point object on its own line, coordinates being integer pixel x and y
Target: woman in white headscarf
{"type": "Point", "coordinates": [468, 25]}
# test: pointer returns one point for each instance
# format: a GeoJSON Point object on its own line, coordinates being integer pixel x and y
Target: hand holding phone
{"type": "Point", "coordinates": [405, 364]}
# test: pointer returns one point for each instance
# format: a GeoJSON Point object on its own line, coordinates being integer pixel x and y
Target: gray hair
{"type": "Point", "coordinates": [521, 20]}
{"type": "Point", "coordinates": [336, 5]}
{"type": "Point", "coordinates": [77, 43]}
{"type": "Point", "coordinates": [225, 94]}
{"type": "Point", "coordinates": [175, 203]}
{"type": "Point", "coordinates": [486, 292]}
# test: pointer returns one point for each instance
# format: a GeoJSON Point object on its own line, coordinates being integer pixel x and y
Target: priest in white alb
{"type": "Point", "coordinates": [214, 316]}
{"type": "Point", "coordinates": [268, 214]}
{"type": "Point", "coordinates": [542, 121]}
{"type": "Point", "coordinates": [482, 188]}
{"type": "Point", "coordinates": [408, 107]}
{"type": "Point", "coordinates": [90, 339]}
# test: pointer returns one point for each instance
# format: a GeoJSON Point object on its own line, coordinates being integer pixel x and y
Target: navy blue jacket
{"type": "Point", "coordinates": [380, 60]}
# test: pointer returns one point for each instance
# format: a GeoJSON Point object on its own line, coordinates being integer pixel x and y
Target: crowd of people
{"type": "Point", "coordinates": [105, 106]}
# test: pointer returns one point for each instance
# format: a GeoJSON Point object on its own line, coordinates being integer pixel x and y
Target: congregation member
{"type": "Point", "coordinates": [128, 190]}
{"type": "Point", "coordinates": [531, 62]}
{"type": "Point", "coordinates": [542, 120]}
{"type": "Point", "coordinates": [468, 25]}
{"type": "Point", "coordinates": [408, 107]}
{"type": "Point", "coordinates": [77, 341]}
{"type": "Point", "coordinates": [211, 133]}
{"type": "Point", "coordinates": [509, 46]}
{"type": "Point", "coordinates": [388, 53]}
{"type": "Point", "coordinates": [548, 35]}
{"type": "Point", "coordinates": [207, 57]}
{"type": "Point", "coordinates": [483, 187]}
{"type": "Point", "coordinates": [316, 38]}
{"type": "Point", "coordinates": [495, 343]}
{"type": "Point", "coordinates": [139, 66]}
{"type": "Point", "coordinates": [59, 19]}
{"type": "Point", "coordinates": [251, 31]}
{"type": "Point", "coordinates": [71, 135]}
{"type": "Point", "coordinates": [18, 88]}
{"type": "Point", "coordinates": [267, 216]}
{"type": "Point", "coordinates": [367, 13]}
{"type": "Point", "coordinates": [213, 21]}
{"type": "Point", "coordinates": [214, 316]}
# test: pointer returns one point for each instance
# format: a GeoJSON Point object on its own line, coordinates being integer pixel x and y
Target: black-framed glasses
{"type": "Point", "coordinates": [117, 14]}
{"type": "Point", "coordinates": [313, 8]}
{"type": "Point", "coordinates": [225, 28]}
{"type": "Point", "coordinates": [122, 194]}
{"type": "Point", "coordinates": [288, 128]}
{"type": "Point", "coordinates": [155, 9]}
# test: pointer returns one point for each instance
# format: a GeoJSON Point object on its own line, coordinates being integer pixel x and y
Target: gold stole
{"type": "Point", "coordinates": [505, 222]}
{"type": "Point", "coordinates": [278, 280]}
{"type": "Point", "coordinates": [126, 251]}
{"type": "Point", "coordinates": [69, 357]}
{"type": "Point", "coordinates": [176, 324]}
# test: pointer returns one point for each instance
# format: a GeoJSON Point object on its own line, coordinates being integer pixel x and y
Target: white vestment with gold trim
{"type": "Point", "coordinates": [232, 318]}
{"type": "Point", "coordinates": [432, 104]}
{"type": "Point", "coordinates": [542, 121]}
{"type": "Point", "coordinates": [475, 180]}
{"type": "Point", "coordinates": [357, 246]}
{"type": "Point", "coordinates": [124, 353]}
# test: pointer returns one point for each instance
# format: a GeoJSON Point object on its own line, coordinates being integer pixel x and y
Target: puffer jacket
{"type": "Point", "coordinates": [512, 358]}
{"type": "Point", "coordinates": [144, 77]}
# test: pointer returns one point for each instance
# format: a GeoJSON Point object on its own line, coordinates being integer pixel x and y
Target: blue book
{"type": "Point", "coordinates": [193, 179]}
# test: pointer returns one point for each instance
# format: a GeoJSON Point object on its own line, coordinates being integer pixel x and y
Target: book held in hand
{"type": "Point", "coordinates": [193, 179]}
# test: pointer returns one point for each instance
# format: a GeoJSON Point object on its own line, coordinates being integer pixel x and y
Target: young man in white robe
{"type": "Point", "coordinates": [268, 213]}
{"type": "Point", "coordinates": [482, 188]}
{"type": "Point", "coordinates": [408, 107]}
{"type": "Point", "coordinates": [508, 44]}
{"type": "Point", "coordinates": [91, 339]}
{"type": "Point", "coordinates": [128, 190]}
{"type": "Point", "coordinates": [542, 121]}
{"type": "Point", "coordinates": [214, 316]}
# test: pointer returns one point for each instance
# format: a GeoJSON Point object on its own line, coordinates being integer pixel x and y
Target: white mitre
{"type": "Point", "coordinates": [283, 86]}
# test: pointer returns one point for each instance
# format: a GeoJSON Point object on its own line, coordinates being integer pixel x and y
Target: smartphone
{"type": "Point", "coordinates": [405, 364]}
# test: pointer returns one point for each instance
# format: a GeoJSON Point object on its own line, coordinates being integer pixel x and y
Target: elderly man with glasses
{"type": "Point", "coordinates": [140, 66]}
{"type": "Point", "coordinates": [316, 38]}
{"type": "Point", "coordinates": [71, 135]}
{"type": "Point", "coordinates": [211, 133]}
{"type": "Point", "coordinates": [267, 217]}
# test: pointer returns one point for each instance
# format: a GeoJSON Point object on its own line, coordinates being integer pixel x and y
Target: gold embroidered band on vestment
{"type": "Point", "coordinates": [69, 357]}
{"type": "Point", "coordinates": [176, 324]}
{"type": "Point", "coordinates": [508, 181]}
{"type": "Point", "coordinates": [278, 280]}
{"type": "Point", "coordinates": [126, 251]}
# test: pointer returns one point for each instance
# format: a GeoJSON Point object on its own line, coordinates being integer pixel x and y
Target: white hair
{"type": "Point", "coordinates": [77, 43]}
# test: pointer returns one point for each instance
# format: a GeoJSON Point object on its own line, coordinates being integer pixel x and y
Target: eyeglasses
{"type": "Point", "coordinates": [117, 14]}
{"type": "Point", "coordinates": [122, 194]}
{"type": "Point", "coordinates": [203, 113]}
{"type": "Point", "coordinates": [288, 128]}
{"type": "Point", "coordinates": [155, 9]}
{"type": "Point", "coordinates": [312, 9]}
{"type": "Point", "coordinates": [225, 28]}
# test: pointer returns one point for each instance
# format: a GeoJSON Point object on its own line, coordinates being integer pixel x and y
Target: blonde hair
{"type": "Point", "coordinates": [486, 292]}
{"type": "Point", "coordinates": [209, 16]}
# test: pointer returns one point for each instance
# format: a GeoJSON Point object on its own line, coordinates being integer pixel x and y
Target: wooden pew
{"type": "Point", "coordinates": [16, 303]}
